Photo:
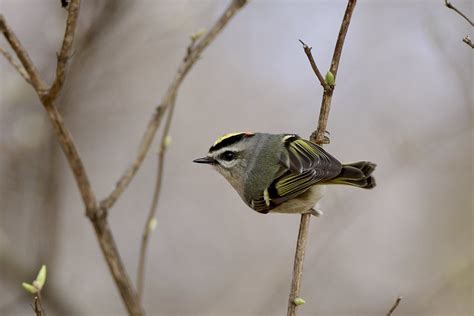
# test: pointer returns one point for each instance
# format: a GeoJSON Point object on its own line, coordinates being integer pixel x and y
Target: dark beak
{"type": "Point", "coordinates": [208, 160]}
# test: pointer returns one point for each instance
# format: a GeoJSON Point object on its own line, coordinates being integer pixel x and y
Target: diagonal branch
{"type": "Point", "coordinates": [317, 137]}
{"type": "Point", "coordinates": [154, 123]}
{"type": "Point", "coordinates": [75, 162]}
{"type": "Point", "coordinates": [23, 56]}
{"type": "Point", "coordinates": [450, 6]}
{"type": "Point", "coordinates": [394, 306]}
{"type": "Point", "coordinates": [21, 70]}
{"type": "Point", "coordinates": [151, 219]}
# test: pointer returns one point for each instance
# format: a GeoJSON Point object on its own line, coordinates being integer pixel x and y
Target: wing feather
{"type": "Point", "coordinates": [306, 164]}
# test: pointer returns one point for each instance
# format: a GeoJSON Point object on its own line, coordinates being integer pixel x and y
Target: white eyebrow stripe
{"type": "Point", "coordinates": [220, 151]}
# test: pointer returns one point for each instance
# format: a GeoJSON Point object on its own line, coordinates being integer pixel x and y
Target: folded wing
{"type": "Point", "coordinates": [304, 164]}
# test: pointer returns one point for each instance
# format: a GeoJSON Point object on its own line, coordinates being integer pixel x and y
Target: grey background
{"type": "Point", "coordinates": [403, 100]}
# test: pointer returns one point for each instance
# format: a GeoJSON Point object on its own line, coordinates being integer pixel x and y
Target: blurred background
{"type": "Point", "coordinates": [404, 100]}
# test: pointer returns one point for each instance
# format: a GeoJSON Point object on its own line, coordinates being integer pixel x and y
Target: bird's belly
{"type": "Point", "coordinates": [302, 203]}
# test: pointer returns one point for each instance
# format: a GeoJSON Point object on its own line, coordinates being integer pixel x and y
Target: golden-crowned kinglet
{"type": "Point", "coordinates": [278, 172]}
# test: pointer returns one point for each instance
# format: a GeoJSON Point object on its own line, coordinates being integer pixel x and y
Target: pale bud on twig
{"type": "Point", "coordinates": [152, 224]}
{"type": "Point", "coordinates": [299, 301]}
{"type": "Point", "coordinates": [198, 34]}
{"type": "Point", "coordinates": [167, 141]}
{"type": "Point", "coordinates": [38, 283]}
{"type": "Point", "coordinates": [29, 288]}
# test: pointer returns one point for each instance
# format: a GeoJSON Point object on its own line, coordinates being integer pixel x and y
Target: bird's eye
{"type": "Point", "coordinates": [228, 155]}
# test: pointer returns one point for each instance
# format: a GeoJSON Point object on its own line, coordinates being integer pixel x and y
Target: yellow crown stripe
{"type": "Point", "coordinates": [223, 137]}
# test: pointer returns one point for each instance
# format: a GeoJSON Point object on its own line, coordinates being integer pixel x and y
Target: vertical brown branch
{"type": "Point", "coordinates": [318, 137]}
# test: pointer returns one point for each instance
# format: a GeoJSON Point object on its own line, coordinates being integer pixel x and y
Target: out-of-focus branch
{"type": "Point", "coordinates": [98, 213]}
{"type": "Point", "coordinates": [450, 6]}
{"type": "Point", "coordinates": [95, 214]}
{"type": "Point", "coordinates": [318, 137]}
{"type": "Point", "coordinates": [154, 123]}
{"type": "Point", "coordinates": [23, 56]}
{"type": "Point", "coordinates": [165, 139]}
{"type": "Point", "coordinates": [21, 70]}
{"type": "Point", "coordinates": [394, 306]}
{"type": "Point", "coordinates": [151, 219]}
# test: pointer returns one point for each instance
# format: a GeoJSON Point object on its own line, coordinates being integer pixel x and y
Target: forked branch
{"type": "Point", "coordinates": [318, 137]}
{"type": "Point", "coordinates": [98, 214]}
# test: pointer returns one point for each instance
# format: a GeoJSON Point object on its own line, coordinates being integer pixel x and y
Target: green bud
{"type": "Point", "coordinates": [299, 301]}
{"type": "Point", "coordinates": [40, 278]}
{"type": "Point", "coordinates": [330, 78]}
{"type": "Point", "coordinates": [29, 288]}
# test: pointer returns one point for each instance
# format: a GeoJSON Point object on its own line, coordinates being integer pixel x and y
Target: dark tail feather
{"type": "Point", "coordinates": [358, 174]}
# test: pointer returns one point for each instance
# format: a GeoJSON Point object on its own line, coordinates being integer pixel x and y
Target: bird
{"type": "Point", "coordinates": [282, 173]}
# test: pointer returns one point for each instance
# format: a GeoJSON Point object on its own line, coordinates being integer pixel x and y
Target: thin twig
{"type": "Point", "coordinates": [37, 306]}
{"type": "Point", "coordinates": [21, 70]}
{"type": "Point", "coordinates": [63, 56]}
{"type": "Point", "coordinates": [468, 41]}
{"type": "Point", "coordinates": [154, 123]}
{"type": "Point", "coordinates": [154, 204]}
{"type": "Point", "coordinates": [161, 155]}
{"type": "Point", "coordinates": [394, 306]}
{"type": "Point", "coordinates": [450, 6]}
{"type": "Point", "coordinates": [318, 137]}
{"type": "Point", "coordinates": [158, 184]}
{"type": "Point", "coordinates": [25, 60]}
{"type": "Point", "coordinates": [320, 77]}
